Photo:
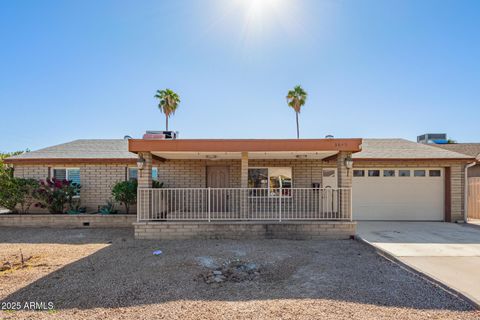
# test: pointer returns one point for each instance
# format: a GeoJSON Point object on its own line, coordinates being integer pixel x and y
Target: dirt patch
{"type": "Point", "coordinates": [106, 274]}
{"type": "Point", "coordinates": [18, 261]}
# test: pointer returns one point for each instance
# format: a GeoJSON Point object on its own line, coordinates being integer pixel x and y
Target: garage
{"type": "Point", "coordinates": [398, 194]}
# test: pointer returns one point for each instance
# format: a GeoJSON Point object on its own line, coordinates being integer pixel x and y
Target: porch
{"type": "Point", "coordinates": [244, 204]}
{"type": "Point", "coordinates": [235, 185]}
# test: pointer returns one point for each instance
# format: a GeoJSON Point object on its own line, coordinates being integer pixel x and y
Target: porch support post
{"type": "Point", "coordinates": [244, 185]}
{"type": "Point", "coordinates": [145, 175]}
{"type": "Point", "coordinates": [144, 197]}
{"type": "Point", "coordinates": [344, 180]}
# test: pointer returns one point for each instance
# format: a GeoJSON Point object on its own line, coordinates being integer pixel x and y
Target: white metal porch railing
{"type": "Point", "coordinates": [217, 204]}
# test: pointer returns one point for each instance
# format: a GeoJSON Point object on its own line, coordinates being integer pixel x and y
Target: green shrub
{"type": "Point", "coordinates": [125, 192]}
{"type": "Point", "coordinates": [157, 184]}
{"type": "Point", "coordinates": [16, 192]}
{"type": "Point", "coordinates": [75, 207]}
{"type": "Point", "coordinates": [56, 195]}
{"type": "Point", "coordinates": [108, 208]}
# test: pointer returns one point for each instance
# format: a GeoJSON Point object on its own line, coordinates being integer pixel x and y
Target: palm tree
{"type": "Point", "coordinates": [296, 99]}
{"type": "Point", "coordinates": [168, 102]}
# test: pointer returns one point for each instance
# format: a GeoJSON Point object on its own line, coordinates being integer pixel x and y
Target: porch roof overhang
{"type": "Point", "coordinates": [233, 148]}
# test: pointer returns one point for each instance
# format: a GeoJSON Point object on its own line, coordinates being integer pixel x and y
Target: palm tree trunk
{"type": "Point", "coordinates": [166, 120]}
{"type": "Point", "coordinates": [298, 130]}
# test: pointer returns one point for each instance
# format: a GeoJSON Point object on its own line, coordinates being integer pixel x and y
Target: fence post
{"type": "Point", "coordinates": [351, 203]}
{"type": "Point", "coordinates": [280, 206]}
{"type": "Point", "coordinates": [139, 200]}
{"type": "Point", "coordinates": [208, 203]}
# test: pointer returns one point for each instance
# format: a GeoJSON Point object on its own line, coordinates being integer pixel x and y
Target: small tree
{"type": "Point", "coordinates": [125, 192]}
{"type": "Point", "coordinates": [10, 193]}
{"type": "Point", "coordinates": [27, 189]}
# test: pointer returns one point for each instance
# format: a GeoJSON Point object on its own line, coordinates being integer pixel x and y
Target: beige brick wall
{"type": "Point", "coordinates": [192, 173]}
{"type": "Point", "coordinates": [245, 230]}
{"type": "Point", "coordinates": [67, 221]}
{"type": "Point", "coordinates": [96, 180]}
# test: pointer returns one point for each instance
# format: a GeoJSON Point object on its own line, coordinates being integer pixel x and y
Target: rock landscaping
{"type": "Point", "coordinates": [234, 271]}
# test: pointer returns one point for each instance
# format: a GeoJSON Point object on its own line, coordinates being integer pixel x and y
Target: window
{"type": "Point", "coordinates": [258, 178]}
{"type": "Point", "coordinates": [374, 173]}
{"type": "Point", "coordinates": [419, 173]}
{"type": "Point", "coordinates": [389, 173]}
{"type": "Point", "coordinates": [359, 173]}
{"type": "Point", "coordinates": [272, 179]}
{"type": "Point", "coordinates": [70, 174]}
{"type": "Point", "coordinates": [328, 173]}
{"type": "Point", "coordinates": [404, 173]}
{"type": "Point", "coordinates": [133, 173]}
{"type": "Point", "coordinates": [435, 173]}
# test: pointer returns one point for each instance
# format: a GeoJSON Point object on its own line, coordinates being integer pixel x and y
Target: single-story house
{"type": "Point", "coordinates": [473, 175]}
{"type": "Point", "coordinates": [263, 179]}
{"type": "Point", "coordinates": [469, 149]}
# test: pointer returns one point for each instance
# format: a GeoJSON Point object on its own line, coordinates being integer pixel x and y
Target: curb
{"type": "Point", "coordinates": [430, 279]}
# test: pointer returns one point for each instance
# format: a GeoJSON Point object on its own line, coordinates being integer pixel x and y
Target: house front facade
{"type": "Point", "coordinates": [277, 180]}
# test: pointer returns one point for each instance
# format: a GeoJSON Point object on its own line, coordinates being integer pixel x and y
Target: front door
{"type": "Point", "coordinates": [330, 196]}
{"type": "Point", "coordinates": [218, 177]}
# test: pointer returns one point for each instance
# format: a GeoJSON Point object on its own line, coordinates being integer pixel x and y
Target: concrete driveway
{"type": "Point", "coordinates": [446, 252]}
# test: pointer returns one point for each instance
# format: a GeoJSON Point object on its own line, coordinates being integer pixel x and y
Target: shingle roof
{"type": "Point", "coordinates": [403, 149]}
{"type": "Point", "coordinates": [118, 149]}
{"type": "Point", "coordinates": [470, 149]}
{"type": "Point", "coordinates": [83, 149]}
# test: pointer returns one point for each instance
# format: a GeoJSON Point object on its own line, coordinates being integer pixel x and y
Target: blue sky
{"type": "Point", "coordinates": [89, 69]}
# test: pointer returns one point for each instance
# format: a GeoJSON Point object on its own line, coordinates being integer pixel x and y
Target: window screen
{"type": "Point", "coordinates": [60, 174]}
{"type": "Point", "coordinates": [73, 175]}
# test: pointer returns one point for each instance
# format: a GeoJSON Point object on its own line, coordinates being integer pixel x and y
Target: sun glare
{"type": "Point", "coordinates": [255, 24]}
{"type": "Point", "coordinates": [262, 18]}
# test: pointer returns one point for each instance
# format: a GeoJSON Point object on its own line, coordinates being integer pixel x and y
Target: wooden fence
{"type": "Point", "coordinates": [474, 198]}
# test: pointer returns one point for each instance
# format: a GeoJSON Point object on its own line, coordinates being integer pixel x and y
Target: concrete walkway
{"type": "Point", "coordinates": [446, 252]}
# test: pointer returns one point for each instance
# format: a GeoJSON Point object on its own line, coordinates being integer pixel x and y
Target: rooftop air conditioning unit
{"type": "Point", "coordinates": [438, 138]}
{"type": "Point", "coordinates": [160, 135]}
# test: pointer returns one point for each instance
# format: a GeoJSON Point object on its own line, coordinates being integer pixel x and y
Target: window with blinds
{"type": "Point", "coordinates": [70, 174]}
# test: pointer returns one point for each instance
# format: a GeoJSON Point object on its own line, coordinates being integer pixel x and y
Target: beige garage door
{"type": "Point", "coordinates": [398, 194]}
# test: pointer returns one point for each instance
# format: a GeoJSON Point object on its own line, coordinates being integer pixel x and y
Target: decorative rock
{"type": "Point", "coordinates": [232, 270]}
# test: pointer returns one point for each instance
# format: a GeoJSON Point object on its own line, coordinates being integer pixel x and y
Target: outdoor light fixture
{"type": "Point", "coordinates": [211, 156]}
{"type": "Point", "coordinates": [140, 163]}
{"type": "Point", "coordinates": [349, 162]}
{"type": "Point", "coordinates": [301, 156]}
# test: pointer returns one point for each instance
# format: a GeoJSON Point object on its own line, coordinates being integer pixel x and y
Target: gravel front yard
{"type": "Point", "coordinates": [106, 274]}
